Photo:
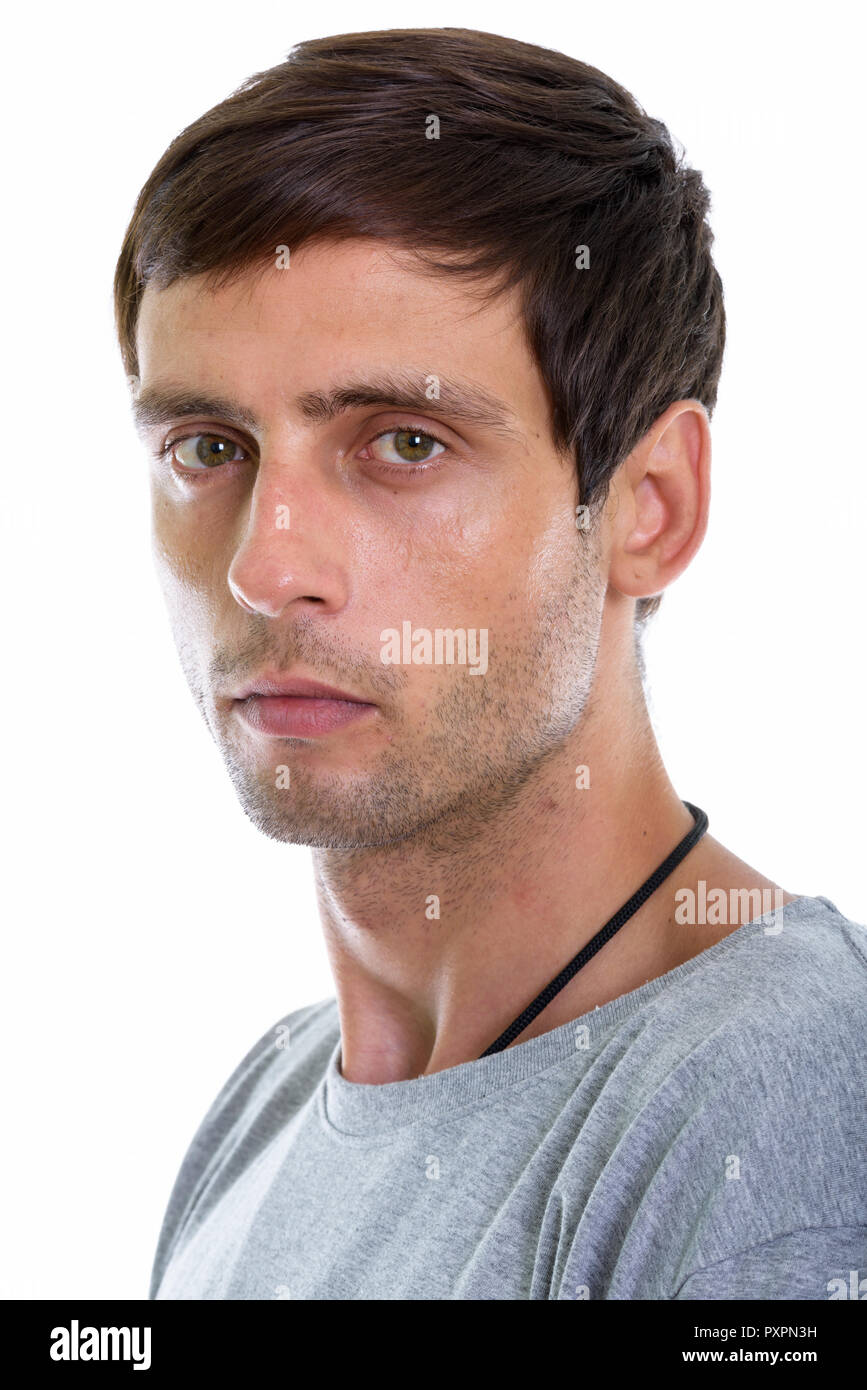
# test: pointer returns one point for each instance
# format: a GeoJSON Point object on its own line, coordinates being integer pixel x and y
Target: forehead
{"type": "Point", "coordinates": [355, 305]}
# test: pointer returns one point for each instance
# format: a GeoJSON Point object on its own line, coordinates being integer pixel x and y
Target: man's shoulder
{"type": "Point", "coordinates": [799, 976]}
{"type": "Point", "coordinates": [765, 1029]}
{"type": "Point", "coordinates": [273, 1080]}
{"type": "Point", "coordinates": [745, 1084]}
{"type": "Point", "coordinates": [290, 1057]}
{"type": "Point", "coordinates": [297, 1036]}
{"type": "Point", "coordinates": [766, 1038]}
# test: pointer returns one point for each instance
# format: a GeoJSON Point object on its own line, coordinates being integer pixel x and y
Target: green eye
{"type": "Point", "coordinates": [204, 451]}
{"type": "Point", "coordinates": [409, 446]}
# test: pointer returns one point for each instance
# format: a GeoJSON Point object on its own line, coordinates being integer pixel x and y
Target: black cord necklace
{"type": "Point", "coordinates": [623, 914]}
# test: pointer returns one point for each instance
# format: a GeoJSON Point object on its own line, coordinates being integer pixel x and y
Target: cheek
{"type": "Point", "coordinates": [451, 555]}
{"type": "Point", "coordinates": [502, 572]}
{"type": "Point", "coordinates": [189, 577]}
{"type": "Point", "coordinates": [556, 554]}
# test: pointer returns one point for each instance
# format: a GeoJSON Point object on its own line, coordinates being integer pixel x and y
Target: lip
{"type": "Point", "coordinates": [296, 707]}
{"type": "Point", "coordinates": [273, 684]}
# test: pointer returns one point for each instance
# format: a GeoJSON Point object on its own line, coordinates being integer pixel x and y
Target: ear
{"type": "Point", "coordinates": [657, 507]}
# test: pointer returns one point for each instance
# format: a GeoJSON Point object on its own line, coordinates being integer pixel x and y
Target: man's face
{"type": "Point", "coordinates": [291, 543]}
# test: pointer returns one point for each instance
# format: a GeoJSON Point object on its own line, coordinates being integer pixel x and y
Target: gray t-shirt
{"type": "Point", "coordinates": [701, 1137]}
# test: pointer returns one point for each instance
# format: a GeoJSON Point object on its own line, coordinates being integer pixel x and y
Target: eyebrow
{"type": "Point", "coordinates": [459, 400]}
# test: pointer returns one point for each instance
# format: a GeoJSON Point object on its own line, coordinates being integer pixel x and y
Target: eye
{"type": "Point", "coordinates": [199, 452]}
{"type": "Point", "coordinates": [411, 446]}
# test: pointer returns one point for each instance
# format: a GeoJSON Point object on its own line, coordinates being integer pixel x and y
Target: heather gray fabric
{"type": "Point", "coordinates": [700, 1137]}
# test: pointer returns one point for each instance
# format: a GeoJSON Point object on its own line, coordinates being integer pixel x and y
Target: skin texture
{"type": "Point", "coordinates": [453, 785]}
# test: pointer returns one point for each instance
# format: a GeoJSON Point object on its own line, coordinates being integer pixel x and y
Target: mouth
{"type": "Point", "coordinates": [284, 707]}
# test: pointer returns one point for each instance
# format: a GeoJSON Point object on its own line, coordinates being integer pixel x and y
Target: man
{"type": "Point", "coordinates": [423, 333]}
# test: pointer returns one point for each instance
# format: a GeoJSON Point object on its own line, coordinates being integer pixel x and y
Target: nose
{"type": "Point", "coordinates": [290, 550]}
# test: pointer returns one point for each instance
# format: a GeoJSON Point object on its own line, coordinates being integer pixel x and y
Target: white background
{"type": "Point", "coordinates": [152, 935]}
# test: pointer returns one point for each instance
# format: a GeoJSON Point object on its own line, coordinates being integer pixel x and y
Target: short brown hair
{"type": "Point", "coordinates": [537, 155]}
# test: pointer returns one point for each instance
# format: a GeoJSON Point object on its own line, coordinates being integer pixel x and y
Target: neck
{"type": "Point", "coordinates": [437, 944]}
